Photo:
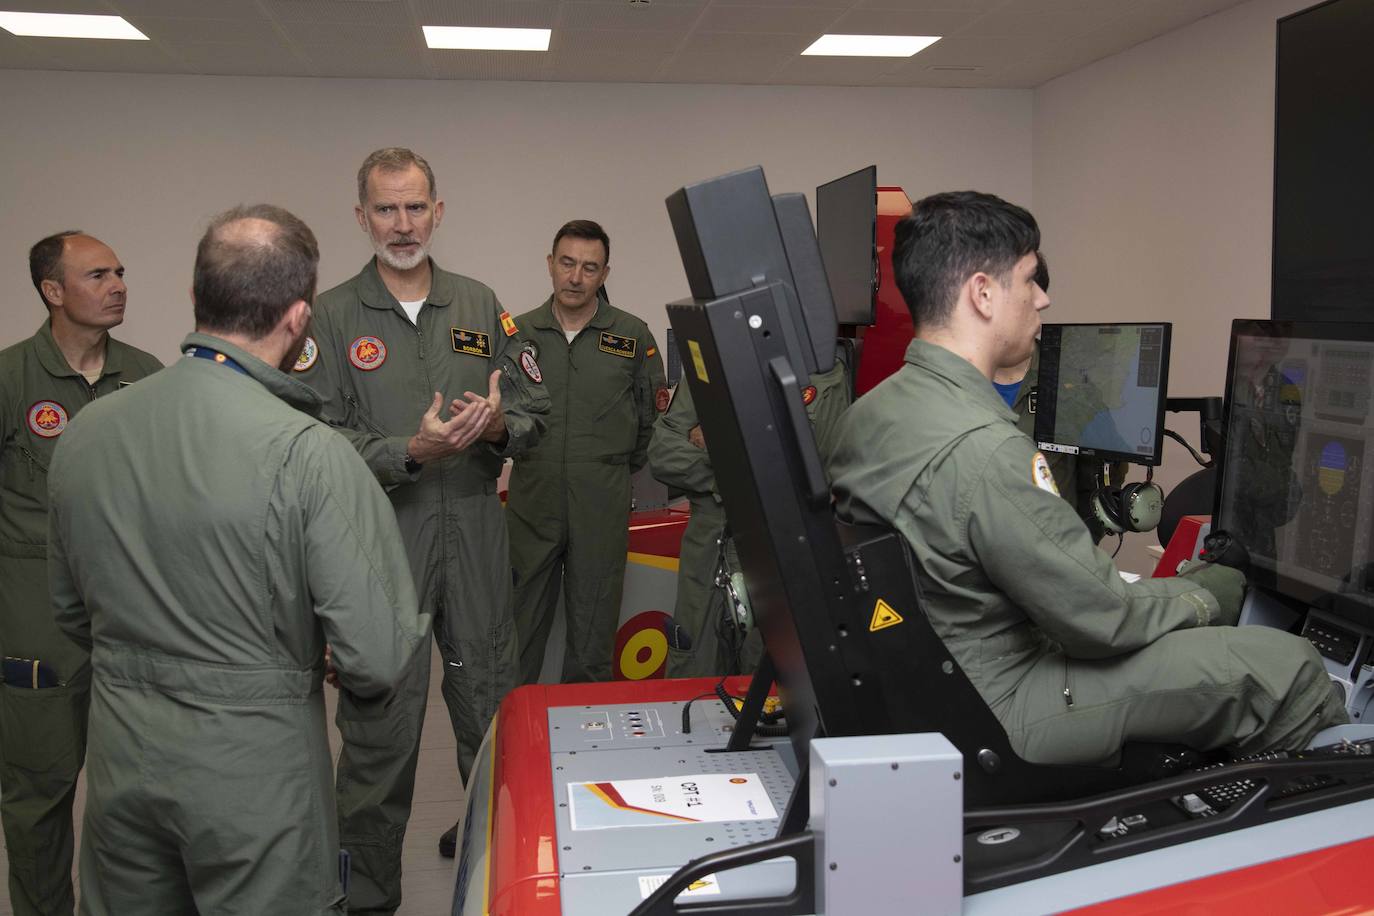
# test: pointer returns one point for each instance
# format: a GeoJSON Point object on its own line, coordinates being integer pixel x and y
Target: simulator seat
{"type": "Point", "coordinates": [882, 564]}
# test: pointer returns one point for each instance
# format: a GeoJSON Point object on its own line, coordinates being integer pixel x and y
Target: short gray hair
{"type": "Point", "coordinates": [393, 159]}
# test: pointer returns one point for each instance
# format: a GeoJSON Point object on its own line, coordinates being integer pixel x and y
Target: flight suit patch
{"type": "Point", "coordinates": [47, 419]}
{"type": "Point", "coordinates": [1040, 473]}
{"type": "Point", "coordinates": [474, 343]}
{"type": "Point", "coordinates": [620, 346]}
{"type": "Point", "coordinates": [530, 367]}
{"type": "Point", "coordinates": [662, 397]}
{"type": "Point", "coordinates": [310, 352]}
{"type": "Point", "coordinates": [508, 324]}
{"type": "Point", "coordinates": [367, 353]}
{"type": "Point", "coordinates": [808, 395]}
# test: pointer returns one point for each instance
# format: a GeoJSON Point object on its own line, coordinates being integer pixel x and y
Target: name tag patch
{"type": "Point", "coordinates": [620, 346]}
{"type": "Point", "coordinates": [474, 343]}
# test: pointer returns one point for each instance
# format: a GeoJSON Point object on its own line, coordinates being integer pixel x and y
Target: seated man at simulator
{"type": "Point", "coordinates": [1072, 660]}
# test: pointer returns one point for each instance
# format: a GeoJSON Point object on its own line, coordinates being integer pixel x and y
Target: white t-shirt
{"type": "Point", "coordinates": [413, 309]}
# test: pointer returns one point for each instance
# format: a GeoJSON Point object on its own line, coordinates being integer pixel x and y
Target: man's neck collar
{"type": "Point", "coordinates": [407, 285]}
{"type": "Point", "coordinates": [83, 348]}
{"type": "Point", "coordinates": [578, 319]}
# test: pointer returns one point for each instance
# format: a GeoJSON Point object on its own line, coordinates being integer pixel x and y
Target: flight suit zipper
{"type": "Point", "coordinates": [438, 469]}
{"type": "Point", "coordinates": [35, 463]}
{"type": "Point", "coordinates": [362, 417]}
{"type": "Point", "coordinates": [1068, 687]}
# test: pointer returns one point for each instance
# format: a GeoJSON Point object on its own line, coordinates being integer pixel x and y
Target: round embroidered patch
{"type": "Point", "coordinates": [808, 394]}
{"type": "Point", "coordinates": [47, 419]}
{"type": "Point", "coordinates": [309, 353]}
{"type": "Point", "coordinates": [367, 353]}
{"type": "Point", "coordinates": [661, 399]}
{"type": "Point", "coordinates": [1040, 473]}
{"type": "Point", "coordinates": [531, 367]}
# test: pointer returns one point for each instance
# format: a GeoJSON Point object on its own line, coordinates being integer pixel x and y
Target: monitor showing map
{"type": "Point", "coordinates": [1101, 389]}
{"type": "Point", "coordinates": [1294, 484]}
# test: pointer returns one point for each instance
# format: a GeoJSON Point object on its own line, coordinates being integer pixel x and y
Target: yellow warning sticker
{"type": "Point", "coordinates": [698, 362]}
{"type": "Point", "coordinates": [883, 617]}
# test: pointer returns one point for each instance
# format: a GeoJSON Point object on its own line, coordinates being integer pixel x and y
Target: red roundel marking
{"type": "Point", "coordinates": [661, 399]}
{"type": "Point", "coordinates": [47, 419]}
{"type": "Point", "coordinates": [367, 353]}
{"type": "Point", "coordinates": [808, 394]}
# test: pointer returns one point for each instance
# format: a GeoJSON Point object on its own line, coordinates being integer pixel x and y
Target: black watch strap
{"type": "Point", "coordinates": [412, 466]}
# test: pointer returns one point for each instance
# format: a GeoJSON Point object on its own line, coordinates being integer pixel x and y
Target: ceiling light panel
{"type": "Point", "coordinates": [473, 39]}
{"type": "Point", "coordinates": [869, 45]}
{"type": "Point", "coordinates": [69, 25]}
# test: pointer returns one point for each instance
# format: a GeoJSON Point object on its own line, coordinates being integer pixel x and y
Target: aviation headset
{"type": "Point", "coordinates": [1133, 507]}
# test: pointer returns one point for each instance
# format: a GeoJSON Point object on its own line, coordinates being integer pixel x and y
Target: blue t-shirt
{"type": "Point", "coordinates": [1008, 392]}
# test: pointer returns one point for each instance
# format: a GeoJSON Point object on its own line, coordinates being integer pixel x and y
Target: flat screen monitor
{"type": "Point", "coordinates": [1295, 487]}
{"type": "Point", "coordinates": [847, 228]}
{"type": "Point", "coordinates": [1101, 390]}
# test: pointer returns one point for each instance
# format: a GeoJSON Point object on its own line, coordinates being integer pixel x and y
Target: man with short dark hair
{"type": "Point", "coordinates": [1073, 661]}
{"type": "Point", "coordinates": [569, 502]}
{"type": "Point", "coordinates": [44, 382]}
{"type": "Point", "coordinates": [423, 373]}
{"type": "Point", "coordinates": [214, 544]}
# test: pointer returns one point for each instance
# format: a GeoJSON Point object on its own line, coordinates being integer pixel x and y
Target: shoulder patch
{"type": "Point", "coordinates": [47, 419]}
{"type": "Point", "coordinates": [474, 343]}
{"type": "Point", "coordinates": [1041, 474]}
{"type": "Point", "coordinates": [620, 346]}
{"type": "Point", "coordinates": [662, 398]}
{"type": "Point", "coordinates": [808, 394]}
{"type": "Point", "coordinates": [367, 352]}
{"type": "Point", "coordinates": [530, 366]}
{"type": "Point", "coordinates": [508, 324]}
{"type": "Point", "coordinates": [310, 352]}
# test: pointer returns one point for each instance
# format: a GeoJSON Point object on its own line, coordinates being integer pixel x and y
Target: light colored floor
{"type": "Point", "coordinates": [427, 885]}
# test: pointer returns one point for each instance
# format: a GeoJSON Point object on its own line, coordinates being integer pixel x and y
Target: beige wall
{"type": "Point", "coordinates": [143, 161]}
{"type": "Point", "coordinates": [1153, 184]}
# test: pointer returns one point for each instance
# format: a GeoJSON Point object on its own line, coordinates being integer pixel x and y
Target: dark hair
{"type": "Point", "coordinates": [949, 237]}
{"type": "Point", "coordinates": [45, 260]}
{"type": "Point", "coordinates": [583, 229]}
{"type": "Point", "coordinates": [1042, 272]}
{"type": "Point", "coordinates": [392, 159]}
{"type": "Point", "coordinates": [246, 277]}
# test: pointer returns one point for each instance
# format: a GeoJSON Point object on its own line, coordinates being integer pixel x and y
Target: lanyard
{"type": "Point", "coordinates": [222, 359]}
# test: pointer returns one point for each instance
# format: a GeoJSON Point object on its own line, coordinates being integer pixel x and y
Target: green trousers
{"type": "Point", "coordinates": [458, 559]}
{"type": "Point", "coordinates": [1248, 689]}
{"type": "Point", "coordinates": [569, 531]}
{"type": "Point", "coordinates": [42, 740]}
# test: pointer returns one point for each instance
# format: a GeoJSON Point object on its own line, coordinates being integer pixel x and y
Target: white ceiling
{"type": "Point", "coordinates": [986, 44]}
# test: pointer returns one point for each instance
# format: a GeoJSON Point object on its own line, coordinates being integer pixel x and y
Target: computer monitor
{"type": "Point", "coordinates": [1295, 485]}
{"type": "Point", "coordinates": [847, 228]}
{"type": "Point", "coordinates": [1101, 390]}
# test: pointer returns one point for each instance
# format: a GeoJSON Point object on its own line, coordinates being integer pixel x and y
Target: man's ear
{"type": "Point", "coordinates": [438, 213]}
{"type": "Point", "coordinates": [52, 291]}
{"type": "Point", "coordinates": [361, 217]}
{"type": "Point", "coordinates": [979, 289]}
{"type": "Point", "coordinates": [297, 317]}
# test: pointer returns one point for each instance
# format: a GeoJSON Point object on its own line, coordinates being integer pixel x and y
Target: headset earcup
{"type": "Point", "coordinates": [1107, 509]}
{"type": "Point", "coordinates": [1144, 505]}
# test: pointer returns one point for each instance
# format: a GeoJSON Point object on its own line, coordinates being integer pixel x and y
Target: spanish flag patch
{"type": "Point", "coordinates": [508, 324]}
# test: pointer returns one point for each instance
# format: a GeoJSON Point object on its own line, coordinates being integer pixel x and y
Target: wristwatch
{"type": "Point", "coordinates": [412, 466]}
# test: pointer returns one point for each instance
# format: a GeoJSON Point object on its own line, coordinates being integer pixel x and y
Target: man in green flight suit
{"type": "Point", "coordinates": [569, 501]}
{"type": "Point", "coordinates": [44, 382]}
{"type": "Point", "coordinates": [1073, 661]}
{"type": "Point", "coordinates": [386, 349]}
{"type": "Point", "coordinates": [679, 460]}
{"type": "Point", "coordinates": [209, 539]}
